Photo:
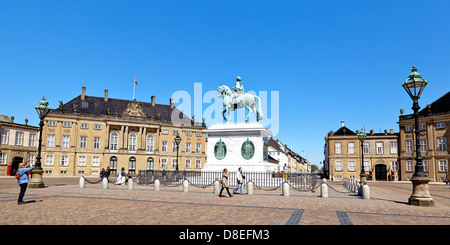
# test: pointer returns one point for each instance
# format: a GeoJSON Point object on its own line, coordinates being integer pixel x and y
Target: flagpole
{"type": "Point", "coordinates": [134, 87]}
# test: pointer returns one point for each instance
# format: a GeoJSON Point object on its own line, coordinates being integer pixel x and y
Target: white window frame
{"type": "Point", "coordinates": [338, 148]}
{"type": "Point", "coordinates": [338, 165]}
{"type": "Point", "coordinates": [65, 141]}
{"type": "Point", "coordinates": [409, 166]}
{"type": "Point", "coordinates": [393, 147]}
{"type": "Point", "coordinates": [83, 142]}
{"type": "Point", "coordinates": [4, 136]}
{"type": "Point", "coordinates": [379, 147]}
{"type": "Point", "coordinates": [409, 146]}
{"type": "Point", "coordinates": [114, 141]}
{"type": "Point", "coordinates": [64, 160]}
{"type": "Point", "coordinates": [132, 142]}
{"type": "Point", "coordinates": [97, 142]}
{"type": "Point", "coordinates": [352, 165]}
{"type": "Point", "coordinates": [49, 160]}
{"type": "Point", "coordinates": [81, 161]}
{"type": "Point", "coordinates": [351, 148]}
{"type": "Point", "coordinates": [19, 138]}
{"type": "Point", "coordinates": [164, 146]}
{"type": "Point", "coordinates": [50, 140]}
{"type": "Point", "coordinates": [443, 165]}
{"type": "Point", "coordinates": [150, 143]}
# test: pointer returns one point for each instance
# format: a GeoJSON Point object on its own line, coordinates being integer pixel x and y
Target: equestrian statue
{"type": "Point", "coordinates": [237, 98]}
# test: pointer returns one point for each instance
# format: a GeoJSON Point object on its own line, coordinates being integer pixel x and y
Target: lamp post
{"type": "Point", "coordinates": [42, 110]}
{"type": "Point", "coordinates": [177, 142]}
{"type": "Point", "coordinates": [414, 86]}
{"type": "Point", "coordinates": [363, 176]}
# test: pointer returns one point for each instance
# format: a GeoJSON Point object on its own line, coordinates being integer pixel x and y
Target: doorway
{"type": "Point", "coordinates": [15, 164]}
{"type": "Point", "coordinates": [380, 172]}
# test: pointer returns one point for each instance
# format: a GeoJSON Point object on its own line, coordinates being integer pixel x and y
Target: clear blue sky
{"type": "Point", "coordinates": [330, 60]}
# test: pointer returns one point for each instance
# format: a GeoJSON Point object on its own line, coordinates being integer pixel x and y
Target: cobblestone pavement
{"type": "Point", "coordinates": [62, 202]}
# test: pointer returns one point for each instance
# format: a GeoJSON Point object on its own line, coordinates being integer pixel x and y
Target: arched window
{"type": "Point", "coordinates": [150, 163]}
{"type": "Point", "coordinates": [132, 165]}
{"type": "Point", "coordinates": [149, 147]}
{"type": "Point", "coordinates": [132, 143]}
{"type": "Point", "coordinates": [113, 165]}
{"type": "Point", "coordinates": [114, 141]}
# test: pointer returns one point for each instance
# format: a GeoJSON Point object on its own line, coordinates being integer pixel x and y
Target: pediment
{"type": "Point", "coordinates": [134, 109]}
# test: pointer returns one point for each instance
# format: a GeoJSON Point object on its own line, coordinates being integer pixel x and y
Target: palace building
{"type": "Point", "coordinates": [343, 155]}
{"type": "Point", "coordinates": [434, 122]}
{"type": "Point", "coordinates": [89, 133]}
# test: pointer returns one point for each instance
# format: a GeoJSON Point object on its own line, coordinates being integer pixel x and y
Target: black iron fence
{"type": "Point", "coordinates": [263, 180]}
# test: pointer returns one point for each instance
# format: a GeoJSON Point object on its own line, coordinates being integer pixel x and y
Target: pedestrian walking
{"type": "Point", "coordinates": [225, 183]}
{"type": "Point", "coordinates": [108, 172]}
{"type": "Point", "coordinates": [22, 174]}
{"type": "Point", "coordinates": [240, 180]}
{"type": "Point", "coordinates": [103, 173]}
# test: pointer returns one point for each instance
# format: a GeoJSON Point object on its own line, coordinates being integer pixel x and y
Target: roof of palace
{"type": "Point", "coordinates": [118, 108]}
{"type": "Point", "coordinates": [440, 105]}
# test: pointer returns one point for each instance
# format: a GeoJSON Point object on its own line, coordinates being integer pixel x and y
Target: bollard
{"type": "Point", "coordinates": [250, 188]}
{"type": "Point", "coordinates": [82, 182]}
{"type": "Point", "coordinates": [285, 189]}
{"type": "Point", "coordinates": [185, 185]}
{"type": "Point", "coordinates": [157, 185]}
{"type": "Point", "coordinates": [366, 192]}
{"type": "Point", "coordinates": [105, 183]}
{"type": "Point", "coordinates": [324, 189]}
{"type": "Point", "coordinates": [130, 184]}
{"type": "Point", "coordinates": [216, 187]}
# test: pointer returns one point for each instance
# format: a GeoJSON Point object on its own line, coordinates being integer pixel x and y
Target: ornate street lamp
{"type": "Point", "coordinates": [363, 176]}
{"type": "Point", "coordinates": [177, 142]}
{"type": "Point", "coordinates": [42, 110]}
{"type": "Point", "coordinates": [414, 86]}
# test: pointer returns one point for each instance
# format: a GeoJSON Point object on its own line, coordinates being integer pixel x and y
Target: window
{"type": "Point", "coordinates": [393, 146]}
{"type": "Point", "coordinates": [32, 141]}
{"type": "Point", "coordinates": [83, 142]}
{"type": "Point", "coordinates": [48, 160]}
{"type": "Point", "coordinates": [351, 147]}
{"type": "Point", "coordinates": [425, 165]}
{"type": "Point", "coordinates": [132, 165]}
{"type": "Point", "coordinates": [67, 124]}
{"type": "Point", "coordinates": [409, 166]}
{"type": "Point", "coordinates": [64, 161]}
{"type": "Point", "coordinates": [367, 166]}
{"type": "Point", "coordinates": [66, 141]}
{"type": "Point", "coordinates": [114, 142]}
{"type": "Point", "coordinates": [188, 164]}
{"type": "Point", "coordinates": [408, 129]}
{"type": "Point", "coordinates": [4, 137]}
{"type": "Point", "coordinates": [19, 138]}
{"type": "Point", "coordinates": [422, 127]}
{"type": "Point", "coordinates": [31, 158]}
{"type": "Point", "coordinates": [442, 144]}
{"type": "Point", "coordinates": [394, 165]}
{"type": "Point", "coordinates": [81, 161]}
{"type": "Point", "coordinates": [113, 165]}
{"type": "Point", "coordinates": [379, 146]}
{"type": "Point", "coordinates": [164, 146]}
{"type": "Point", "coordinates": [95, 161]}
{"type": "Point", "coordinates": [51, 140]}
{"type": "Point", "coordinates": [97, 142]}
{"type": "Point", "coordinates": [423, 145]}
{"type": "Point", "coordinates": [440, 125]}
{"type": "Point", "coordinates": [3, 158]}
{"type": "Point", "coordinates": [338, 165]}
{"type": "Point", "coordinates": [188, 147]}
{"type": "Point", "coordinates": [351, 166]}
{"type": "Point", "coordinates": [366, 146]}
{"type": "Point", "coordinates": [175, 132]}
{"type": "Point", "coordinates": [163, 163]}
{"type": "Point", "coordinates": [174, 163]}
{"type": "Point", "coordinates": [198, 164]}
{"type": "Point", "coordinates": [199, 134]}
{"type": "Point", "coordinates": [149, 147]}
{"type": "Point", "coordinates": [132, 143]}
{"type": "Point", "coordinates": [198, 148]}
{"type": "Point", "coordinates": [150, 163]}
{"type": "Point", "coordinates": [84, 125]}
{"type": "Point", "coordinates": [165, 131]}
{"type": "Point", "coordinates": [174, 147]}
{"type": "Point", "coordinates": [51, 123]}
{"type": "Point", "coordinates": [188, 133]}
{"type": "Point", "coordinates": [409, 146]}
{"type": "Point", "coordinates": [442, 165]}
{"type": "Point", "coordinates": [97, 126]}
{"type": "Point", "coordinates": [337, 148]}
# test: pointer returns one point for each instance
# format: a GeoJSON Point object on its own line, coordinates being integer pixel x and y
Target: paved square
{"type": "Point", "coordinates": [62, 202]}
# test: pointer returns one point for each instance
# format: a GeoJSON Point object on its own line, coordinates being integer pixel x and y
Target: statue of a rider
{"type": "Point", "coordinates": [238, 90]}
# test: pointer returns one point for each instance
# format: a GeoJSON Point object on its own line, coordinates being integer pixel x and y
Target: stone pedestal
{"type": "Point", "coordinates": [421, 194]}
{"type": "Point", "coordinates": [36, 179]}
{"type": "Point", "coordinates": [234, 145]}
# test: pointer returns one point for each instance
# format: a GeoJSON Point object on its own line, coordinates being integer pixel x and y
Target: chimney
{"type": "Point", "coordinates": [83, 92]}
{"type": "Point", "coordinates": [106, 95]}
{"type": "Point", "coordinates": [342, 124]}
{"type": "Point", "coordinates": [153, 100]}
{"type": "Point", "coordinates": [171, 103]}
{"type": "Point", "coordinates": [392, 131]}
